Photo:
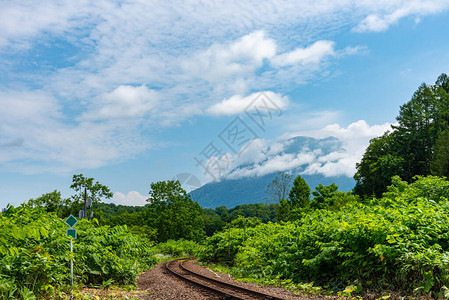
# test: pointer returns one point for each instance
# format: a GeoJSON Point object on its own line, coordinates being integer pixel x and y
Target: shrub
{"type": "Point", "coordinates": [35, 256]}
{"type": "Point", "coordinates": [400, 244]}
{"type": "Point", "coordinates": [178, 248]}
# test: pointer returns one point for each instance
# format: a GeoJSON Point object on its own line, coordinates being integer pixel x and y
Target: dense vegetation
{"type": "Point", "coordinates": [418, 145]}
{"type": "Point", "coordinates": [398, 242]}
{"type": "Point", "coordinates": [35, 256]}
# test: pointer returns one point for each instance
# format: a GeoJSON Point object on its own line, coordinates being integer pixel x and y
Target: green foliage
{"type": "Point", "coordinates": [104, 253]}
{"type": "Point", "coordinates": [51, 202]}
{"type": "Point", "coordinates": [299, 195]}
{"type": "Point", "coordinates": [35, 256]}
{"type": "Point", "coordinates": [178, 248]}
{"type": "Point", "coordinates": [265, 213]}
{"type": "Point", "coordinates": [323, 194]}
{"type": "Point", "coordinates": [377, 167]}
{"type": "Point", "coordinates": [330, 198]}
{"type": "Point", "coordinates": [429, 187]}
{"type": "Point", "coordinates": [399, 242]}
{"type": "Point", "coordinates": [439, 165]}
{"type": "Point", "coordinates": [417, 145]}
{"type": "Point", "coordinates": [173, 213]}
{"type": "Point", "coordinates": [223, 246]}
{"type": "Point", "coordinates": [81, 185]}
{"type": "Point", "coordinates": [284, 210]}
{"type": "Point", "coordinates": [242, 222]}
{"type": "Point", "coordinates": [212, 221]}
{"type": "Point", "coordinates": [131, 216]}
{"type": "Point", "coordinates": [33, 249]}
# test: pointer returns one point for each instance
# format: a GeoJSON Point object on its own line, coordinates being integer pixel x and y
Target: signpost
{"type": "Point", "coordinates": [71, 221]}
{"type": "Point", "coordinates": [71, 232]}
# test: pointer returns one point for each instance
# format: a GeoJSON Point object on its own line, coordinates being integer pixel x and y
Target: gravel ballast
{"type": "Point", "coordinates": [158, 283]}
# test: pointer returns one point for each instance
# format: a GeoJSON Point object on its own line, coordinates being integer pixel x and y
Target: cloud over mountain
{"type": "Point", "coordinates": [331, 151]}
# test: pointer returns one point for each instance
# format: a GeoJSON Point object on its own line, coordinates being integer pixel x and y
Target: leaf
{"type": "Point", "coordinates": [43, 231]}
{"type": "Point", "coordinates": [27, 294]}
{"type": "Point", "coordinates": [14, 232]}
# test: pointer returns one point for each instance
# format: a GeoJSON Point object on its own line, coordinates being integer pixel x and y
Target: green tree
{"type": "Point", "coordinates": [439, 165]}
{"type": "Point", "coordinates": [212, 221]}
{"type": "Point", "coordinates": [412, 145]}
{"type": "Point", "coordinates": [242, 222]}
{"type": "Point", "coordinates": [95, 190]}
{"type": "Point", "coordinates": [283, 210]}
{"type": "Point", "coordinates": [322, 194]}
{"type": "Point", "coordinates": [264, 213]}
{"type": "Point", "coordinates": [300, 193]}
{"type": "Point", "coordinates": [377, 166]}
{"type": "Point", "coordinates": [51, 202]}
{"type": "Point", "coordinates": [173, 213]}
{"type": "Point", "coordinates": [441, 90]}
{"type": "Point", "coordinates": [416, 133]}
{"type": "Point", "coordinates": [223, 212]}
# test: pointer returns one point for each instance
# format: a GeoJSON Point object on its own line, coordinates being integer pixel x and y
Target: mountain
{"type": "Point", "coordinates": [247, 183]}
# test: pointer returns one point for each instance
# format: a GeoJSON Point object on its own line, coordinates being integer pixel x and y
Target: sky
{"type": "Point", "coordinates": [134, 92]}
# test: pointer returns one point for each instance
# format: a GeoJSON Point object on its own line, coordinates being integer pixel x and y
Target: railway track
{"type": "Point", "coordinates": [225, 289]}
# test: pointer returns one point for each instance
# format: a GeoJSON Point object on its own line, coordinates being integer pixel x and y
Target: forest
{"type": "Point", "coordinates": [389, 236]}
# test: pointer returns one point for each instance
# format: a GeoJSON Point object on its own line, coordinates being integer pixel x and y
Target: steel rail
{"type": "Point", "coordinates": [232, 286]}
{"type": "Point", "coordinates": [227, 295]}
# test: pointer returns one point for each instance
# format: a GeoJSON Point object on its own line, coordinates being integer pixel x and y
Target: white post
{"type": "Point", "coordinates": [71, 264]}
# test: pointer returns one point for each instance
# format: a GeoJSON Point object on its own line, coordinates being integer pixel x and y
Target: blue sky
{"type": "Point", "coordinates": [131, 92]}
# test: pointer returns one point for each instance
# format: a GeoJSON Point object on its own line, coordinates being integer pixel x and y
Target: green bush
{"type": "Point", "coordinates": [178, 248]}
{"type": "Point", "coordinates": [35, 254]}
{"type": "Point", "coordinates": [105, 253]}
{"type": "Point", "coordinates": [224, 245]}
{"type": "Point", "coordinates": [400, 242]}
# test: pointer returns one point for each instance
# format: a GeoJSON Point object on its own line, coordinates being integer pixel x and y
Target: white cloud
{"type": "Point", "coordinates": [253, 60]}
{"type": "Point", "coordinates": [231, 66]}
{"type": "Point", "coordinates": [255, 152]}
{"type": "Point", "coordinates": [375, 23]}
{"type": "Point", "coordinates": [355, 139]}
{"type": "Point", "coordinates": [264, 158]}
{"type": "Point", "coordinates": [124, 102]}
{"type": "Point", "coordinates": [40, 139]}
{"type": "Point", "coordinates": [237, 58]}
{"type": "Point", "coordinates": [85, 108]}
{"type": "Point", "coordinates": [354, 132]}
{"type": "Point", "coordinates": [394, 11]}
{"type": "Point", "coordinates": [238, 104]}
{"type": "Point", "coordinates": [133, 198]}
{"type": "Point", "coordinates": [22, 22]}
{"type": "Point", "coordinates": [312, 54]}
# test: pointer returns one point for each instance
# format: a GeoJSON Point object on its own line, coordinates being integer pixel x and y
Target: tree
{"type": "Point", "coordinates": [265, 213]}
{"type": "Point", "coordinates": [283, 210]}
{"type": "Point", "coordinates": [242, 222]}
{"type": "Point", "coordinates": [377, 166]}
{"type": "Point", "coordinates": [279, 188]}
{"type": "Point", "coordinates": [439, 165]}
{"type": "Point", "coordinates": [95, 190]}
{"type": "Point", "coordinates": [173, 213]}
{"type": "Point", "coordinates": [300, 193]}
{"type": "Point", "coordinates": [412, 148]}
{"type": "Point", "coordinates": [212, 221]}
{"type": "Point", "coordinates": [417, 132]}
{"type": "Point", "coordinates": [322, 194]}
{"type": "Point", "coordinates": [51, 202]}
